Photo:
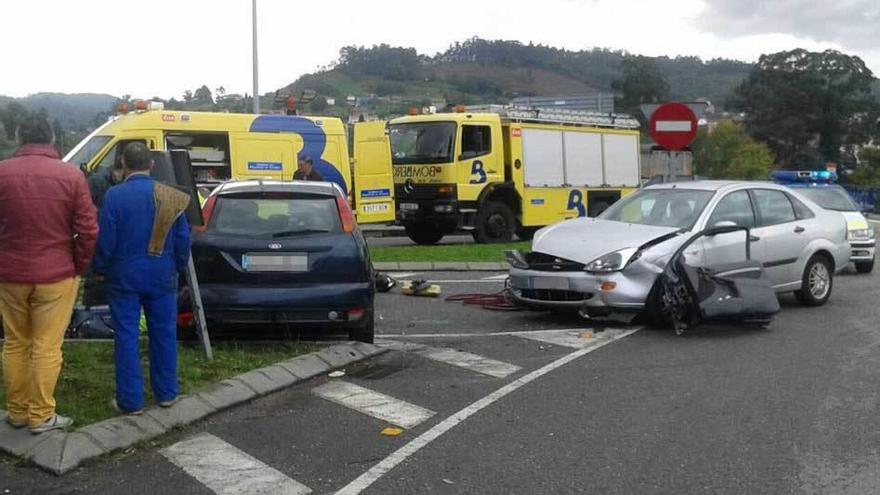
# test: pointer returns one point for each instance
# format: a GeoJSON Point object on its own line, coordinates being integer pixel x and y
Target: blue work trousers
{"type": "Point", "coordinates": [160, 308]}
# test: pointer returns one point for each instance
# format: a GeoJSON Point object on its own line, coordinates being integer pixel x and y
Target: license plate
{"type": "Point", "coordinates": [380, 208]}
{"type": "Point", "coordinates": [255, 262]}
{"type": "Point", "coordinates": [550, 283]}
{"type": "Point", "coordinates": [409, 206]}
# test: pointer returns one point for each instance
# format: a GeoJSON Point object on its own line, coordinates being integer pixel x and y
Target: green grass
{"type": "Point", "coordinates": [86, 384]}
{"type": "Point", "coordinates": [449, 252]}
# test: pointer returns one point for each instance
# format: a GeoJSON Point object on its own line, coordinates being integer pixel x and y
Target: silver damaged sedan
{"type": "Point", "coordinates": [608, 265]}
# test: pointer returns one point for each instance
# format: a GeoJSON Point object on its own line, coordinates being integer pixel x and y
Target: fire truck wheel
{"type": "Point", "coordinates": [495, 223]}
{"type": "Point", "coordinates": [425, 234]}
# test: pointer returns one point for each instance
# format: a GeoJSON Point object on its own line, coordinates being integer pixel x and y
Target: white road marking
{"type": "Point", "coordinates": [463, 281]}
{"type": "Point", "coordinates": [365, 480]}
{"type": "Point", "coordinates": [454, 357]}
{"type": "Point", "coordinates": [476, 333]}
{"type": "Point", "coordinates": [402, 275]}
{"type": "Point", "coordinates": [576, 339]}
{"type": "Point", "coordinates": [497, 277]}
{"type": "Point", "coordinates": [381, 406]}
{"type": "Point", "coordinates": [226, 470]}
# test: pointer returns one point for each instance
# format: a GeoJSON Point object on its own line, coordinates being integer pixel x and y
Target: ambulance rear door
{"type": "Point", "coordinates": [372, 175]}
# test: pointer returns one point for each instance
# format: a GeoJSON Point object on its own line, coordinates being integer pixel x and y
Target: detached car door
{"type": "Point", "coordinates": [782, 235]}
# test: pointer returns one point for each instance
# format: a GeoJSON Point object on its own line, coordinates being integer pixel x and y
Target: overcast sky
{"type": "Point", "coordinates": [162, 47]}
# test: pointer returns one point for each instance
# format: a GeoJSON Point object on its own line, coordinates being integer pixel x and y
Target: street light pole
{"type": "Point", "coordinates": [256, 82]}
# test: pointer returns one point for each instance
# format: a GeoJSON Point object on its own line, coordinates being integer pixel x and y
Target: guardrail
{"type": "Point", "coordinates": [865, 197]}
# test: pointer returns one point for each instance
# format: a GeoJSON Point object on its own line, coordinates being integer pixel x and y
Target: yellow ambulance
{"type": "Point", "coordinates": [229, 146]}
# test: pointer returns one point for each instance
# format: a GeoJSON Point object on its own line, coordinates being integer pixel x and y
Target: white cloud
{"type": "Point", "coordinates": [162, 47]}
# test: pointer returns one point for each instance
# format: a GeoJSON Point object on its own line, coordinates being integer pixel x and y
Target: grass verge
{"type": "Point", "coordinates": [87, 384]}
{"type": "Point", "coordinates": [447, 252]}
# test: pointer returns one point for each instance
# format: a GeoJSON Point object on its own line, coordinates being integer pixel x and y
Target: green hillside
{"type": "Point", "coordinates": [484, 71]}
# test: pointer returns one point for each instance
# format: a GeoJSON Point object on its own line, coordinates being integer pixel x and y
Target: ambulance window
{"type": "Point", "coordinates": [89, 150]}
{"type": "Point", "coordinates": [115, 154]}
{"type": "Point", "coordinates": [475, 141]}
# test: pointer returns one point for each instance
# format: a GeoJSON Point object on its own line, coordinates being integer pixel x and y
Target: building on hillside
{"type": "Point", "coordinates": [361, 114]}
{"type": "Point", "coordinates": [593, 102]}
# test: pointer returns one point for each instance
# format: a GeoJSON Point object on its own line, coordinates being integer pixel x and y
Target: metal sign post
{"type": "Point", "coordinates": [195, 297]}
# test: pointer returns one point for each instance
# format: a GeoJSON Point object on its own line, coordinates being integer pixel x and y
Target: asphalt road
{"type": "Point", "coordinates": [789, 409]}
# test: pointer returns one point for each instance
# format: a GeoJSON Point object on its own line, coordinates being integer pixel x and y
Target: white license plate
{"type": "Point", "coordinates": [409, 206]}
{"type": "Point", "coordinates": [256, 262]}
{"type": "Point", "coordinates": [550, 283]}
{"type": "Point", "coordinates": [380, 208]}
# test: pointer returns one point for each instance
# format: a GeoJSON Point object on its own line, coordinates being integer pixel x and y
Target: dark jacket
{"type": "Point", "coordinates": [100, 181]}
{"type": "Point", "coordinates": [311, 176]}
{"type": "Point", "coordinates": [126, 227]}
{"type": "Point", "coordinates": [47, 220]}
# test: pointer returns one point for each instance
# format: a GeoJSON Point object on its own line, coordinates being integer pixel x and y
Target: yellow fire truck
{"type": "Point", "coordinates": [499, 171]}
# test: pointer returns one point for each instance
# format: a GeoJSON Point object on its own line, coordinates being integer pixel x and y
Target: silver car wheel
{"type": "Point", "coordinates": [819, 280]}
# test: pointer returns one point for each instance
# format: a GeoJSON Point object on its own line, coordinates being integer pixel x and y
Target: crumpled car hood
{"type": "Point", "coordinates": [585, 239]}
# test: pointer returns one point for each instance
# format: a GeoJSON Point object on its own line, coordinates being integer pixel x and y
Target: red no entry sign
{"type": "Point", "coordinates": [673, 126]}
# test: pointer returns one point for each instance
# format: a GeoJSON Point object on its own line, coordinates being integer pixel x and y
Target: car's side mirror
{"type": "Point", "coordinates": [722, 227]}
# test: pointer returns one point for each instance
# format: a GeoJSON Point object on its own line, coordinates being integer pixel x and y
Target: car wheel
{"type": "Point", "coordinates": [653, 315]}
{"type": "Point", "coordinates": [425, 234]}
{"type": "Point", "coordinates": [864, 266]}
{"type": "Point", "coordinates": [365, 333]}
{"type": "Point", "coordinates": [495, 223]}
{"type": "Point", "coordinates": [817, 282]}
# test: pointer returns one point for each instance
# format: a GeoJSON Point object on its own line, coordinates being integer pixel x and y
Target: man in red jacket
{"type": "Point", "coordinates": [48, 228]}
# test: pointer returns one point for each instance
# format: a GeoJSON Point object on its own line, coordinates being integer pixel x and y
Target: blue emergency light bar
{"type": "Point", "coordinates": [784, 176]}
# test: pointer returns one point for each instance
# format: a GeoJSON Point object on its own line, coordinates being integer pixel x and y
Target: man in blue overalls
{"type": "Point", "coordinates": [143, 244]}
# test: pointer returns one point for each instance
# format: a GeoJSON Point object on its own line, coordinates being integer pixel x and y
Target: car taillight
{"type": "Point", "coordinates": [345, 215]}
{"type": "Point", "coordinates": [355, 314]}
{"type": "Point", "coordinates": [207, 210]}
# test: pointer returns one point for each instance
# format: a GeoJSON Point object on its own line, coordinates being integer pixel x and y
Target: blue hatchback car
{"type": "Point", "coordinates": [284, 253]}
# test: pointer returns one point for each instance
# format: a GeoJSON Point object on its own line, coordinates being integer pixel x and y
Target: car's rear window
{"type": "Point", "coordinates": [275, 217]}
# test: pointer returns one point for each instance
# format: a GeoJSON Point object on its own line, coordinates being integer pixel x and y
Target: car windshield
{"type": "Point", "coordinates": [830, 198]}
{"type": "Point", "coordinates": [88, 150]}
{"type": "Point", "coordinates": [661, 207]}
{"type": "Point", "coordinates": [431, 142]}
{"type": "Point", "coordinates": [274, 217]}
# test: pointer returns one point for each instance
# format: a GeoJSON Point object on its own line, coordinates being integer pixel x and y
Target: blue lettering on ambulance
{"type": "Point", "coordinates": [314, 141]}
{"type": "Point", "coordinates": [266, 166]}
{"type": "Point", "coordinates": [375, 193]}
{"type": "Point", "coordinates": [576, 201]}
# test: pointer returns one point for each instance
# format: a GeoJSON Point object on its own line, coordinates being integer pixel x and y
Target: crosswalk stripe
{"type": "Point", "coordinates": [375, 404]}
{"type": "Point", "coordinates": [226, 470]}
{"type": "Point", "coordinates": [454, 357]}
{"type": "Point", "coordinates": [576, 339]}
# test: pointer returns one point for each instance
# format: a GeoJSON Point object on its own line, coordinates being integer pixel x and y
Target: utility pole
{"type": "Point", "coordinates": [256, 81]}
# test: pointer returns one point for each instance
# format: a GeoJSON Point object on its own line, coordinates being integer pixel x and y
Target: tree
{"type": "Point", "coordinates": [868, 171]}
{"type": "Point", "coordinates": [318, 105]}
{"type": "Point", "coordinates": [187, 97]}
{"type": "Point", "coordinates": [11, 117]}
{"type": "Point", "coordinates": [729, 153]}
{"type": "Point", "coordinates": [641, 83]}
{"type": "Point", "coordinates": [203, 97]}
{"type": "Point", "coordinates": [798, 100]}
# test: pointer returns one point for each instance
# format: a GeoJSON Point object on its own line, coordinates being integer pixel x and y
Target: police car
{"type": "Point", "coordinates": [820, 187]}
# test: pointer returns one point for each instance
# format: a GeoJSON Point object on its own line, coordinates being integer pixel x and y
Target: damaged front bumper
{"type": "Point", "coordinates": [592, 294]}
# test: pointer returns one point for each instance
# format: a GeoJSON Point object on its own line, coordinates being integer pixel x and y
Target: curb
{"type": "Point", "coordinates": [59, 452]}
{"type": "Point", "coordinates": [446, 266]}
